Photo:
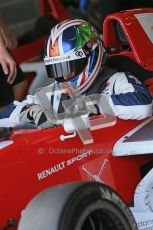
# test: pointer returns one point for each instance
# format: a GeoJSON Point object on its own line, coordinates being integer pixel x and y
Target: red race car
{"type": "Point", "coordinates": [119, 156]}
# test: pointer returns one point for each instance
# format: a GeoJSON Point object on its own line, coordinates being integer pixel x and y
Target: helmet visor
{"type": "Point", "coordinates": [66, 67]}
{"type": "Point", "coordinates": [65, 71]}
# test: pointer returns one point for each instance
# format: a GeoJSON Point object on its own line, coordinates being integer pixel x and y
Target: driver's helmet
{"type": "Point", "coordinates": [73, 53]}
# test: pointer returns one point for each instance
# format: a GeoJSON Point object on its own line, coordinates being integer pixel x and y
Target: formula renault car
{"type": "Point", "coordinates": [53, 179]}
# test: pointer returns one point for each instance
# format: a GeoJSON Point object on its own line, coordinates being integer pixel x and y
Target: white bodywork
{"type": "Point", "coordinates": [138, 141]}
{"type": "Point", "coordinates": [143, 203]}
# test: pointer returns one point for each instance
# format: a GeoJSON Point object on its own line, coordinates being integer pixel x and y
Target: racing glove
{"type": "Point", "coordinates": [34, 114]}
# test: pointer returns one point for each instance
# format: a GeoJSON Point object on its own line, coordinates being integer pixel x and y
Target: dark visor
{"type": "Point", "coordinates": [64, 71]}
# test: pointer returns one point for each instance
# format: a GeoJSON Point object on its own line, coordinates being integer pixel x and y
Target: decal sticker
{"type": "Point", "coordinates": [62, 165]}
{"type": "Point", "coordinates": [98, 170]}
{"type": "Point", "coordinates": [67, 57]}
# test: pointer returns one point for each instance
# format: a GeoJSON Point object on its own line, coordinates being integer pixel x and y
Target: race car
{"type": "Point", "coordinates": [57, 179]}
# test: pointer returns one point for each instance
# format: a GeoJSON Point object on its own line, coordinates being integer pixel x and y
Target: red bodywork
{"type": "Point", "coordinates": [141, 48]}
{"type": "Point", "coordinates": [38, 159]}
{"type": "Point", "coordinates": [23, 164]}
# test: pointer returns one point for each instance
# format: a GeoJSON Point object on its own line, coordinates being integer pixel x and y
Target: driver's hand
{"type": "Point", "coordinates": [35, 114]}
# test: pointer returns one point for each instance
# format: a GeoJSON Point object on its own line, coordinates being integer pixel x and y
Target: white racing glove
{"type": "Point", "coordinates": [34, 114]}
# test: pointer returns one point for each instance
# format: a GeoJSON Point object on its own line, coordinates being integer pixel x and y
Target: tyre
{"type": "Point", "coordinates": [77, 206]}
